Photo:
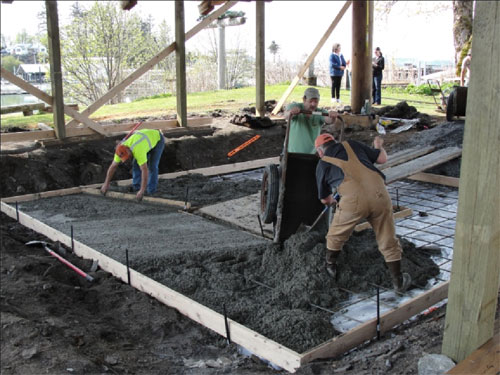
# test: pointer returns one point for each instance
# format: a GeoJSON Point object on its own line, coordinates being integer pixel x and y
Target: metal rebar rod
{"type": "Point", "coordinates": [378, 314]}
{"type": "Point", "coordinates": [226, 323]}
{"type": "Point", "coordinates": [128, 269]}
{"type": "Point", "coordinates": [72, 240]}
{"type": "Point", "coordinates": [260, 225]}
{"type": "Point", "coordinates": [17, 212]}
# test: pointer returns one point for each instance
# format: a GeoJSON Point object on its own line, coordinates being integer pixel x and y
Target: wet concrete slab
{"type": "Point", "coordinates": [111, 226]}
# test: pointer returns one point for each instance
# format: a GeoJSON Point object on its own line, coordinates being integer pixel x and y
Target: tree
{"type": "Point", "coordinates": [462, 21]}
{"type": "Point", "coordinates": [24, 38]}
{"type": "Point", "coordinates": [273, 48]}
{"type": "Point", "coordinates": [96, 48]}
{"type": "Point", "coordinates": [10, 63]}
{"type": "Point", "coordinates": [462, 30]}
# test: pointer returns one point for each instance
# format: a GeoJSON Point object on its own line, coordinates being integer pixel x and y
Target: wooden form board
{"type": "Point", "coordinates": [106, 130]}
{"type": "Point", "coordinates": [485, 360]}
{"type": "Point", "coordinates": [251, 340]}
{"type": "Point", "coordinates": [404, 156]}
{"type": "Point", "coordinates": [210, 171]}
{"type": "Point", "coordinates": [435, 179]}
{"type": "Point", "coordinates": [368, 330]}
{"type": "Point", "coordinates": [420, 164]}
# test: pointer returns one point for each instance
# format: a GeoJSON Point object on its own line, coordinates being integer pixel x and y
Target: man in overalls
{"type": "Point", "coordinates": [146, 147]}
{"type": "Point", "coordinates": [349, 168]}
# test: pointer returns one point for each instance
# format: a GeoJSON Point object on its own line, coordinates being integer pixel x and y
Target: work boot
{"type": "Point", "coordinates": [331, 262]}
{"type": "Point", "coordinates": [400, 281]}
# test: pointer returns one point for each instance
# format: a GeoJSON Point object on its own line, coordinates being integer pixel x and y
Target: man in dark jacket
{"type": "Point", "coordinates": [348, 168]}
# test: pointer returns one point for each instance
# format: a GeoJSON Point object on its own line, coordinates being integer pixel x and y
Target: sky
{"type": "Point", "coordinates": [296, 26]}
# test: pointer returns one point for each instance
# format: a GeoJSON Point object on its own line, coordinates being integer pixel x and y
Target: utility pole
{"type": "Point", "coordinates": [229, 18]}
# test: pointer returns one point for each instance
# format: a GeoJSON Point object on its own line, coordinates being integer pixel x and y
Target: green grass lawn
{"type": "Point", "coordinates": [206, 102]}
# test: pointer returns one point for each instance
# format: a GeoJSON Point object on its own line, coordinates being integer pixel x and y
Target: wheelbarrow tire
{"type": "Point", "coordinates": [450, 106]}
{"type": "Point", "coordinates": [269, 193]}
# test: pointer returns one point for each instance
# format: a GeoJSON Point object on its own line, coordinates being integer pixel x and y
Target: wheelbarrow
{"type": "Point", "coordinates": [457, 102]}
{"type": "Point", "coordinates": [289, 194]}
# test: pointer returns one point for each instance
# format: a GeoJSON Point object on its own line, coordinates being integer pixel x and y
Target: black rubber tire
{"type": "Point", "coordinates": [269, 193]}
{"type": "Point", "coordinates": [450, 106]}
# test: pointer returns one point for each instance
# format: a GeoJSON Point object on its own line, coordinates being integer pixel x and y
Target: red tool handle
{"type": "Point", "coordinates": [73, 267]}
{"type": "Point", "coordinates": [132, 130]}
{"type": "Point", "coordinates": [241, 147]}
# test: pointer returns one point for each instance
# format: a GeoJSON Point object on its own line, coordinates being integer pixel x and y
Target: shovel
{"type": "Point", "coordinates": [306, 229]}
{"type": "Point", "coordinates": [54, 254]}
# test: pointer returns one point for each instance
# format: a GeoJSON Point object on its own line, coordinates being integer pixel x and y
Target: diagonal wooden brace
{"type": "Point", "coordinates": [150, 64]}
{"type": "Point", "coordinates": [49, 100]}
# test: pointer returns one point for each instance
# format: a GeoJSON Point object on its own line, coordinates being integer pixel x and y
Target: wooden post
{"type": "Point", "coordinates": [150, 64]}
{"type": "Point", "coordinates": [362, 32]}
{"type": "Point", "coordinates": [55, 68]}
{"type": "Point", "coordinates": [180, 64]}
{"type": "Point", "coordinates": [260, 53]}
{"type": "Point", "coordinates": [310, 59]}
{"type": "Point", "coordinates": [475, 273]}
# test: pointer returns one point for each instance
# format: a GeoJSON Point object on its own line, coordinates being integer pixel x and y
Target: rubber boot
{"type": "Point", "coordinates": [331, 262]}
{"type": "Point", "coordinates": [401, 281]}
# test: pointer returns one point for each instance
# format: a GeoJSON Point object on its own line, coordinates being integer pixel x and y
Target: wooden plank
{"type": "Point", "coordinates": [475, 273]}
{"type": "Point", "coordinates": [208, 171]}
{"type": "Point", "coordinates": [180, 64]}
{"type": "Point", "coordinates": [368, 330]}
{"type": "Point", "coordinates": [404, 156]}
{"type": "Point", "coordinates": [435, 179]}
{"type": "Point", "coordinates": [131, 197]}
{"type": "Point", "coordinates": [485, 360]}
{"type": "Point", "coordinates": [151, 63]}
{"type": "Point", "coordinates": [45, 194]}
{"type": "Point", "coordinates": [22, 108]}
{"type": "Point", "coordinates": [106, 129]}
{"type": "Point", "coordinates": [404, 212]}
{"type": "Point", "coordinates": [311, 57]}
{"type": "Point", "coordinates": [251, 340]}
{"type": "Point", "coordinates": [48, 99]}
{"type": "Point", "coordinates": [420, 164]}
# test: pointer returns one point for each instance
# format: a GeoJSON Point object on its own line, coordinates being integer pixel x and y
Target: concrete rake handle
{"type": "Point", "coordinates": [70, 265]}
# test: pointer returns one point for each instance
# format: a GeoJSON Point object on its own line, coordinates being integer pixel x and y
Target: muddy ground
{"type": "Point", "coordinates": [54, 322]}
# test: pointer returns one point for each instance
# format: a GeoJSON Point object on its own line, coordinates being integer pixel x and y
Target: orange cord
{"type": "Point", "coordinates": [242, 146]}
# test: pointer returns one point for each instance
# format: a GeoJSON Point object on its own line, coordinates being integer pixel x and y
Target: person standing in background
{"type": "Point", "coordinates": [378, 65]}
{"type": "Point", "coordinates": [337, 67]}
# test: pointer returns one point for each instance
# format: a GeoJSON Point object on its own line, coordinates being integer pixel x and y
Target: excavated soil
{"type": "Point", "coordinates": [55, 322]}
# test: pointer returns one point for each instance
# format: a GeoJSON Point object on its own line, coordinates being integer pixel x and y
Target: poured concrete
{"type": "Point", "coordinates": [111, 226]}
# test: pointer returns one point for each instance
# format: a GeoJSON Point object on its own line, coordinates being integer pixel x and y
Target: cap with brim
{"type": "Point", "coordinates": [311, 93]}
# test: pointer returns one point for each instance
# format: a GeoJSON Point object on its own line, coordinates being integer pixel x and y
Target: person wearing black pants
{"type": "Point", "coordinates": [378, 66]}
{"type": "Point", "coordinates": [337, 67]}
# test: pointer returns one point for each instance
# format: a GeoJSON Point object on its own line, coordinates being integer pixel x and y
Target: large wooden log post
{"type": "Point", "coordinates": [362, 36]}
{"type": "Point", "coordinates": [260, 53]}
{"type": "Point", "coordinates": [180, 64]}
{"type": "Point", "coordinates": [475, 273]}
{"type": "Point", "coordinates": [55, 68]}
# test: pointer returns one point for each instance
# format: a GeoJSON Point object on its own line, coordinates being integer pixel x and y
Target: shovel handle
{"type": "Point", "coordinates": [318, 218]}
{"type": "Point", "coordinates": [70, 265]}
